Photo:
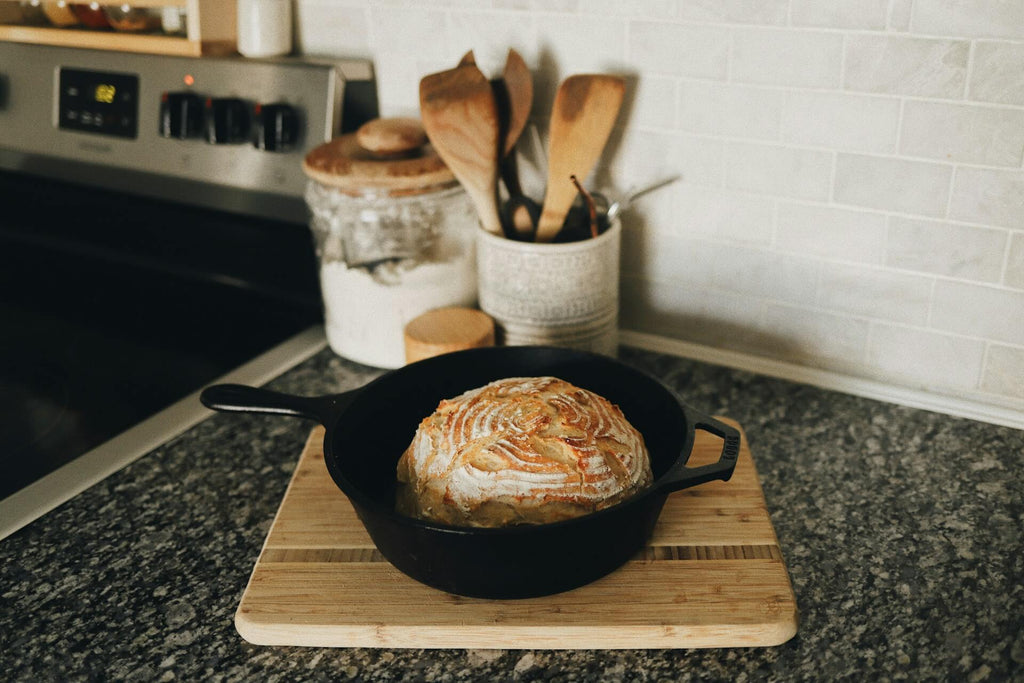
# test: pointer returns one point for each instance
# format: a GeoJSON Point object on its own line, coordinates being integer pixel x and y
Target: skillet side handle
{"type": "Point", "coordinates": [682, 477]}
{"type": "Point", "coordinates": [238, 398]}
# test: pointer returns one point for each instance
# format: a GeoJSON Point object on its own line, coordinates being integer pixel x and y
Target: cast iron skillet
{"type": "Point", "coordinates": [369, 428]}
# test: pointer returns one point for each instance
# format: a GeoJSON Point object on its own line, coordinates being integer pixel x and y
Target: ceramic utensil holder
{"type": "Point", "coordinates": [561, 294]}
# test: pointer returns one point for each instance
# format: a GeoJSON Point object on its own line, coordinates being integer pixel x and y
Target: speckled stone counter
{"type": "Point", "coordinates": [902, 531]}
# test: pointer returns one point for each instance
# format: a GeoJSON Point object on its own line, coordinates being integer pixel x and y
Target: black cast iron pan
{"type": "Point", "coordinates": [367, 430]}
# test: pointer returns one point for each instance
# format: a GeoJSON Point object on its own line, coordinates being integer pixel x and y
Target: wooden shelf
{"type": "Point", "coordinates": [210, 30]}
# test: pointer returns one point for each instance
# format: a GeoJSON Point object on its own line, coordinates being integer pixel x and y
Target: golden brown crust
{"type": "Point", "coordinates": [521, 451]}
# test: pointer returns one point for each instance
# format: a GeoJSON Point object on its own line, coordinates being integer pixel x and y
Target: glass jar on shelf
{"type": "Point", "coordinates": [394, 235]}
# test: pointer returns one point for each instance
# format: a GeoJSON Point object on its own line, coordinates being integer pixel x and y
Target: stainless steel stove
{"type": "Point", "coordinates": [153, 239]}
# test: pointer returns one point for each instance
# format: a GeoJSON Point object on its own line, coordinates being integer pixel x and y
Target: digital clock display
{"type": "Point", "coordinates": [105, 93]}
{"type": "Point", "coordinates": [98, 102]}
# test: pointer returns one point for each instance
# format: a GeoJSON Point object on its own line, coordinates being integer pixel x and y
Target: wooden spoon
{"type": "Point", "coordinates": [584, 111]}
{"type": "Point", "coordinates": [461, 119]}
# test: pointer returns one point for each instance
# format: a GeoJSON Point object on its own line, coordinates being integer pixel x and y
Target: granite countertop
{"type": "Point", "coordinates": [901, 530]}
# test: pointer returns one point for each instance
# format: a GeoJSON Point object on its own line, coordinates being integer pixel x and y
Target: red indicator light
{"type": "Point", "coordinates": [189, 79]}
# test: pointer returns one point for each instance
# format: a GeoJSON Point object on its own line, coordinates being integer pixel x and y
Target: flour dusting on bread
{"type": "Point", "coordinates": [523, 450]}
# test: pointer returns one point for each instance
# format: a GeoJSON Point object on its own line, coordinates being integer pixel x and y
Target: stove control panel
{"type": "Point", "coordinates": [243, 124]}
{"type": "Point", "coordinates": [96, 102]}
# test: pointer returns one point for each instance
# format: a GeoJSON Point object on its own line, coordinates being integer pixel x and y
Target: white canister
{"type": "Point", "coordinates": [394, 235]}
{"type": "Point", "coordinates": [564, 294]}
{"type": "Point", "coordinates": [264, 27]}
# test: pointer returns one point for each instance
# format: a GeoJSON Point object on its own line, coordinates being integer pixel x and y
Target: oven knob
{"type": "Point", "coordinates": [277, 127]}
{"type": "Point", "coordinates": [181, 115]}
{"type": "Point", "coordinates": [227, 120]}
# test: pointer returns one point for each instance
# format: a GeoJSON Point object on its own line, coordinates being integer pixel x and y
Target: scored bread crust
{"type": "Point", "coordinates": [523, 450]}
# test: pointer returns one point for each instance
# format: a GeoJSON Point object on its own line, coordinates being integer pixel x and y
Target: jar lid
{"type": "Point", "coordinates": [444, 330]}
{"type": "Point", "coordinates": [384, 155]}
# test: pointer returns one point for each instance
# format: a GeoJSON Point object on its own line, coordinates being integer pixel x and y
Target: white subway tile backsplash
{"type": "Point", "coordinates": [691, 313]}
{"type": "Point", "coordinates": [959, 251]}
{"type": "Point", "coordinates": [981, 18]}
{"type": "Point", "coordinates": [856, 14]}
{"type": "Point", "coordinates": [1004, 371]}
{"type": "Point", "coordinates": [980, 311]}
{"type": "Point", "coordinates": [899, 15]}
{"type": "Point", "coordinates": [856, 123]}
{"type": "Point", "coordinates": [574, 43]}
{"type": "Point", "coordinates": [766, 12]}
{"type": "Point", "coordinates": [658, 254]}
{"type": "Point", "coordinates": [830, 232]}
{"type": "Point", "coordinates": [725, 215]}
{"type": "Point", "coordinates": [759, 273]}
{"type": "Point", "coordinates": [489, 35]}
{"type": "Point", "coordinates": [652, 155]}
{"type": "Point", "coordinates": [654, 103]}
{"type": "Point", "coordinates": [875, 293]}
{"type": "Point", "coordinates": [988, 197]}
{"type": "Point", "coordinates": [924, 358]}
{"type": "Point", "coordinates": [537, 5]}
{"type": "Point", "coordinates": [798, 58]}
{"type": "Point", "coordinates": [649, 9]}
{"type": "Point", "coordinates": [892, 184]}
{"type": "Point", "coordinates": [398, 95]}
{"type": "Point", "coordinates": [645, 230]}
{"type": "Point", "coordinates": [900, 65]}
{"type": "Point", "coordinates": [750, 272]}
{"type": "Point", "coordinates": [730, 110]}
{"type": "Point", "coordinates": [325, 28]}
{"type": "Point", "coordinates": [997, 73]}
{"type": "Point", "coordinates": [398, 70]}
{"type": "Point", "coordinates": [394, 29]}
{"type": "Point", "coordinates": [1015, 262]}
{"type": "Point", "coordinates": [992, 136]}
{"type": "Point", "coordinates": [815, 338]}
{"type": "Point", "coordinates": [806, 226]}
{"type": "Point", "coordinates": [678, 49]}
{"type": "Point", "coordinates": [776, 170]}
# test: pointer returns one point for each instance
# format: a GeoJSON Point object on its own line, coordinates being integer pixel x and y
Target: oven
{"type": "Point", "coordinates": [153, 239]}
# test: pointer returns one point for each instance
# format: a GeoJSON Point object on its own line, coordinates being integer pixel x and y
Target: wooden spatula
{"type": "Point", "coordinates": [459, 114]}
{"type": "Point", "coordinates": [519, 85]}
{"type": "Point", "coordinates": [584, 111]}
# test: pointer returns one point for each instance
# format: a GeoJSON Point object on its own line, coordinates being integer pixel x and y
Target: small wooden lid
{"type": "Point", "coordinates": [389, 156]}
{"type": "Point", "coordinates": [391, 136]}
{"type": "Point", "coordinates": [444, 330]}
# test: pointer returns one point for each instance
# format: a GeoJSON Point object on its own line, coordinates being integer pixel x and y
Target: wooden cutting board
{"type": "Point", "coordinates": [711, 576]}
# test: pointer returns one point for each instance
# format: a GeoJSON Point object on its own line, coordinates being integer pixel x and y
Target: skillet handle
{"type": "Point", "coordinates": [238, 398]}
{"type": "Point", "coordinates": [682, 477]}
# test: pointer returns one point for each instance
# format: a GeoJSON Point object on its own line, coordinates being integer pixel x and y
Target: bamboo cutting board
{"type": "Point", "coordinates": [711, 576]}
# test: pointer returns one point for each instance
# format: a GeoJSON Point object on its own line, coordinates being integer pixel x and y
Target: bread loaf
{"type": "Point", "coordinates": [521, 451]}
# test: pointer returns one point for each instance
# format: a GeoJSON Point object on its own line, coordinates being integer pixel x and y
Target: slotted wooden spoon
{"type": "Point", "coordinates": [518, 95]}
{"type": "Point", "coordinates": [584, 111]}
{"type": "Point", "coordinates": [461, 119]}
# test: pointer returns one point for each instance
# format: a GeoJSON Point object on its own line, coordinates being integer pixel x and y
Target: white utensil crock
{"type": "Point", "coordinates": [563, 294]}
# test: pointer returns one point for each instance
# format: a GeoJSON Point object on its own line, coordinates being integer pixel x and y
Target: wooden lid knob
{"type": "Point", "coordinates": [391, 136]}
{"type": "Point", "coordinates": [445, 330]}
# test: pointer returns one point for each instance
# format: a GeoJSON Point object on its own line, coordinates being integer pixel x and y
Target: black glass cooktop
{"type": "Point", "coordinates": [114, 307]}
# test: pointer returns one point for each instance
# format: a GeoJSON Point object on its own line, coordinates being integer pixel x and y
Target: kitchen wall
{"type": "Point", "coordinates": [851, 194]}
